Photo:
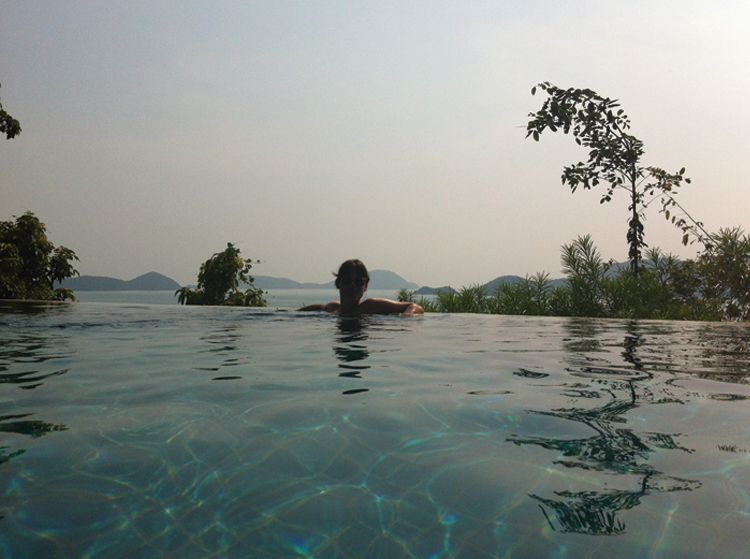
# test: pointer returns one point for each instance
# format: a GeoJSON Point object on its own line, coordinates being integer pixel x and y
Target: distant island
{"type": "Point", "coordinates": [152, 281]}
{"type": "Point", "coordinates": [379, 279]}
{"type": "Point", "coordinates": [491, 286]}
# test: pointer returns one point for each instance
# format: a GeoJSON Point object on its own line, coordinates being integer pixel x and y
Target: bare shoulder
{"type": "Point", "coordinates": [376, 305]}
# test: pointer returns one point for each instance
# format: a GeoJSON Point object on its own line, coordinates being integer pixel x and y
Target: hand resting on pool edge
{"type": "Point", "coordinates": [351, 281]}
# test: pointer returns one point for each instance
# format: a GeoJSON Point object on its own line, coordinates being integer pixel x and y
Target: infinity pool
{"type": "Point", "coordinates": [137, 431]}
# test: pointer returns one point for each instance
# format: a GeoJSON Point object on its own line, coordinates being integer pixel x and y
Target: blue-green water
{"type": "Point", "coordinates": [139, 431]}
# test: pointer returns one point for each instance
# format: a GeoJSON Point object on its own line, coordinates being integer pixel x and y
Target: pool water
{"type": "Point", "coordinates": [140, 431]}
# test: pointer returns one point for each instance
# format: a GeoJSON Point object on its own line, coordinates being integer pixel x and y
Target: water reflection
{"type": "Point", "coordinates": [223, 343]}
{"type": "Point", "coordinates": [29, 350]}
{"type": "Point", "coordinates": [48, 308]}
{"type": "Point", "coordinates": [27, 380]}
{"type": "Point", "coordinates": [33, 428]}
{"type": "Point", "coordinates": [26, 353]}
{"type": "Point", "coordinates": [350, 349]}
{"type": "Point", "coordinates": [583, 335]}
{"type": "Point", "coordinates": [713, 351]}
{"type": "Point", "coordinates": [613, 448]}
{"type": "Point", "coordinates": [222, 339]}
{"type": "Point", "coordinates": [725, 352]}
{"type": "Point", "coordinates": [25, 348]}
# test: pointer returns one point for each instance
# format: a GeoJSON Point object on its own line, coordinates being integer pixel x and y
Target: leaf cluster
{"type": "Point", "coordinates": [724, 268]}
{"type": "Point", "coordinates": [597, 123]}
{"type": "Point", "coordinates": [219, 279]}
{"type": "Point", "coordinates": [30, 264]}
{"type": "Point", "coordinates": [614, 159]}
{"type": "Point", "coordinates": [8, 125]}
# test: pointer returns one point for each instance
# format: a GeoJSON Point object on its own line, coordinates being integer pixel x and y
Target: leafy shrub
{"type": "Point", "coordinates": [30, 264]}
{"type": "Point", "coordinates": [664, 288]}
{"type": "Point", "coordinates": [219, 280]}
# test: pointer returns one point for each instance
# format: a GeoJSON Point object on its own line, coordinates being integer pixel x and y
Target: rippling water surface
{"type": "Point", "coordinates": [137, 431]}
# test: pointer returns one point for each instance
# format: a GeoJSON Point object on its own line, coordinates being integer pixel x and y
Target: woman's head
{"type": "Point", "coordinates": [352, 272]}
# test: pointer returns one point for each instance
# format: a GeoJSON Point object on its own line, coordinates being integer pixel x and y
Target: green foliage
{"type": "Point", "coordinates": [585, 269]}
{"type": "Point", "coordinates": [408, 296]}
{"type": "Point", "coordinates": [219, 279]}
{"type": "Point", "coordinates": [405, 295]}
{"type": "Point", "coordinates": [8, 125]}
{"type": "Point", "coordinates": [30, 264]}
{"type": "Point", "coordinates": [665, 288]}
{"type": "Point", "coordinates": [725, 270]}
{"type": "Point", "coordinates": [471, 299]}
{"type": "Point", "coordinates": [531, 296]}
{"type": "Point", "coordinates": [614, 158]}
{"type": "Point", "coordinates": [660, 291]}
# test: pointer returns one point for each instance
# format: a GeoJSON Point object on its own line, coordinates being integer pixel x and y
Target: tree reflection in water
{"type": "Point", "coordinates": [724, 352]}
{"type": "Point", "coordinates": [613, 449]}
{"type": "Point", "coordinates": [350, 349]}
{"type": "Point", "coordinates": [29, 350]}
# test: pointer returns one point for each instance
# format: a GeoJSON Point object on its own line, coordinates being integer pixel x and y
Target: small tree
{"type": "Point", "coordinates": [219, 280]}
{"type": "Point", "coordinates": [614, 158]}
{"type": "Point", "coordinates": [8, 125]}
{"type": "Point", "coordinates": [586, 271]}
{"type": "Point", "coordinates": [30, 265]}
{"type": "Point", "coordinates": [725, 271]}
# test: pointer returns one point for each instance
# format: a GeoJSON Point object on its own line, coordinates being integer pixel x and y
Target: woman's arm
{"type": "Point", "coordinates": [333, 306]}
{"type": "Point", "coordinates": [386, 306]}
{"type": "Point", "coordinates": [313, 308]}
{"type": "Point", "coordinates": [413, 309]}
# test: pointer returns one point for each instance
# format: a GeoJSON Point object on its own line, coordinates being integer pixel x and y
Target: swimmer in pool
{"type": "Point", "coordinates": [351, 281]}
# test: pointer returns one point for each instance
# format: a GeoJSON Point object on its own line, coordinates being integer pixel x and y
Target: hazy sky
{"type": "Point", "coordinates": [309, 132]}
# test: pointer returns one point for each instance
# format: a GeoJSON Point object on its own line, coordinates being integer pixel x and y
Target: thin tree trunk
{"type": "Point", "coordinates": [635, 242]}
